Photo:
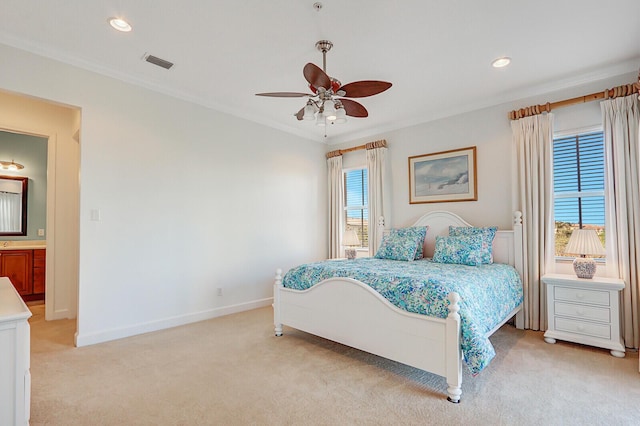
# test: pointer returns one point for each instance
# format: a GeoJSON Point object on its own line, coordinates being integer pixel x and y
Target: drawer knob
{"type": "Point", "coordinates": [580, 328]}
{"type": "Point", "coordinates": [579, 296]}
{"type": "Point", "coordinates": [580, 313]}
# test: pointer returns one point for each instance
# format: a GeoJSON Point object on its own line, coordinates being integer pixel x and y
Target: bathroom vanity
{"type": "Point", "coordinates": [15, 378]}
{"type": "Point", "coordinates": [25, 266]}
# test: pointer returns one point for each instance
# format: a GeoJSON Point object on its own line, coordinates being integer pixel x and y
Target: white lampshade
{"type": "Point", "coordinates": [585, 242]}
{"type": "Point", "coordinates": [350, 238]}
{"type": "Point", "coordinates": [341, 116]}
{"type": "Point", "coordinates": [330, 111]}
{"type": "Point", "coordinates": [309, 112]}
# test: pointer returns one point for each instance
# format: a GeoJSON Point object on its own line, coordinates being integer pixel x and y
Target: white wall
{"type": "Point", "coordinates": [190, 200]}
{"type": "Point", "coordinates": [489, 130]}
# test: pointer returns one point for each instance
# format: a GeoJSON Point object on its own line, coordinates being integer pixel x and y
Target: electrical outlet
{"type": "Point", "coordinates": [219, 291]}
{"type": "Point", "coordinates": [40, 232]}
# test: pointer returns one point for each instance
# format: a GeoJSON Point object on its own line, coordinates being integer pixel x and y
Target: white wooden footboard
{"type": "Point", "coordinates": [374, 325]}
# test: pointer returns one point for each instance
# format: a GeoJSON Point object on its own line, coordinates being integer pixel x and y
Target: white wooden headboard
{"type": "Point", "coordinates": [507, 245]}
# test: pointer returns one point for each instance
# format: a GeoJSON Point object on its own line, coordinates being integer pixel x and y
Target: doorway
{"type": "Point", "coordinates": [59, 125]}
{"type": "Point", "coordinates": [23, 216]}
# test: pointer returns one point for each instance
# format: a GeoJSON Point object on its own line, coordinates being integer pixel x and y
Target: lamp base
{"type": "Point", "coordinates": [350, 253]}
{"type": "Point", "coordinates": [585, 267]}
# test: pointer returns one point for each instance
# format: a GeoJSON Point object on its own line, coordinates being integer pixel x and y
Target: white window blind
{"type": "Point", "coordinates": [578, 173]}
{"type": "Point", "coordinates": [356, 203]}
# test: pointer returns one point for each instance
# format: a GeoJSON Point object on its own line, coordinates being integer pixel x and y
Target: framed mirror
{"type": "Point", "coordinates": [13, 205]}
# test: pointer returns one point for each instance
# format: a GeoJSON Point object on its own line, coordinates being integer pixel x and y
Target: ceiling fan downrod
{"type": "Point", "coordinates": [324, 46]}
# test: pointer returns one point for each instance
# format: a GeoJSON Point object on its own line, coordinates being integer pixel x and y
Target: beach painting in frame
{"type": "Point", "coordinates": [443, 176]}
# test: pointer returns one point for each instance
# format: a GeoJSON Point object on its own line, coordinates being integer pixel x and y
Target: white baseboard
{"type": "Point", "coordinates": [58, 315]}
{"type": "Point", "coordinates": [119, 333]}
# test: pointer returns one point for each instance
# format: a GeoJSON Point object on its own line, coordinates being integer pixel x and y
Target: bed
{"type": "Point", "coordinates": [350, 312]}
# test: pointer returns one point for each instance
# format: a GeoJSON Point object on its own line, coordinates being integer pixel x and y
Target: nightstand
{"type": "Point", "coordinates": [584, 311]}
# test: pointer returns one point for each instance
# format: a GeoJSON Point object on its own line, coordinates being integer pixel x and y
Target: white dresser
{"type": "Point", "coordinates": [584, 311]}
{"type": "Point", "coordinates": [15, 379]}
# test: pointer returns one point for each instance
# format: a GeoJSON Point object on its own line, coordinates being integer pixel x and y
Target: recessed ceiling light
{"type": "Point", "coordinates": [501, 62]}
{"type": "Point", "coordinates": [120, 24]}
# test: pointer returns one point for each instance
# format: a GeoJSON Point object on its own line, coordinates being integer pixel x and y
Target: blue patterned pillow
{"type": "Point", "coordinates": [488, 234]}
{"type": "Point", "coordinates": [462, 250]}
{"type": "Point", "coordinates": [418, 232]}
{"type": "Point", "coordinates": [402, 244]}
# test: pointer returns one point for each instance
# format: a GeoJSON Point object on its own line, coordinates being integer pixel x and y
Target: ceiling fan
{"type": "Point", "coordinates": [328, 103]}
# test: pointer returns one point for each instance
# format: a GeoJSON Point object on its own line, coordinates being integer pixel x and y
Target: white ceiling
{"type": "Point", "coordinates": [437, 54]}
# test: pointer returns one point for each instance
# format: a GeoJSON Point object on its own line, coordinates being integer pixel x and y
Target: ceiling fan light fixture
{"type": "Point", "coordinates": [341, 116]}
{"type": "Point", "coordinates": [309, 111]}
{"type": "Point", "coordinates": [320, 119]}
{"type": "Point", "coordinates": [330, 111]}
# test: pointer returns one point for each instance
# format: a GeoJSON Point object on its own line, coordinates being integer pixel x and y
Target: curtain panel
{"type": "Point", "coordinates": [376, 165]}
{"type": "Point", "coordinates": [533, 148]}
{"type": "Point", "coordinates": [336, 205]}
{"type": "Point", "coordinates": [621, 119]}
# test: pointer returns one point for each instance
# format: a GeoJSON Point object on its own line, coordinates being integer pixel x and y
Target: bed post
{"type": "Point", "coordinates": [276, 302]}
{"type": "Point", "coordinates": [519, 259]}
{"type": "Point", "coordinates": [380, 235]}
{"type": "Point", "coordinates": [453, 352]}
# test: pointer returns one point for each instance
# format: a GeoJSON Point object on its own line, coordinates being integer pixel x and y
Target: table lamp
{"type": "Point", "coordinates": [350, 239]}
{"type": "Point", "coordinates": [584, 242]}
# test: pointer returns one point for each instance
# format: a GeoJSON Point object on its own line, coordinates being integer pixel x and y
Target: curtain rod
{"type": "Point", "coordinates": [371, 145]}
{"type": "Point", "coordinates": [624, 90]}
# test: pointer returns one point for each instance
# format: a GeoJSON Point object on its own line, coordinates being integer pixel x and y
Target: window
{"type": "Point", "coordinates": [578, 173]}
{"type": "Point", "coordinates": [356, 202]}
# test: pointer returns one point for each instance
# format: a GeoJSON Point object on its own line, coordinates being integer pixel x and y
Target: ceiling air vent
{"type": "Point", "coordinates": [158, 61]}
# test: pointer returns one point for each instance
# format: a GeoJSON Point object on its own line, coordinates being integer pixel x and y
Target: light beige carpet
{"type": "Point", "coordinates": [233, 371]}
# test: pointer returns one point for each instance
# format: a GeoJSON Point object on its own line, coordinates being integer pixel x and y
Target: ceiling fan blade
{"type": "Point", "coordinates": [362, 89]}
{"type": "Point", "coordinates": [300, 114]}
{"type": "Point", "coordinates": [284, 94]}
{"type": "Point", "coordinates": [316, 77]}
{"type": "Point", "coordinates": [353, 108]}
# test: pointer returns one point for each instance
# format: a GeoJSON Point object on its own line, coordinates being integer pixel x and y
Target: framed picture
{"type": "Point", "coordinates": [443, 176]}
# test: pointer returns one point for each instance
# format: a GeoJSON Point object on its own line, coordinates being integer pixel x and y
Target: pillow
{"type": "Point", "coordinates": [419, 232]}
{"type": "Point", "coordinates": [402, 244]}
{"type": "Point", "coordinates": [487, 234]}
{"type": "Point", "coordinates": [462, 250]}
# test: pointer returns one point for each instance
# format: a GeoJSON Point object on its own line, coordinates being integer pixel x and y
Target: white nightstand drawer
{"type": "Point", "coordinates": [580, 295]}
{"type": "Point", "coordinates": [593, 313]}
{"type": "Point", "coordinates": [602, 331]}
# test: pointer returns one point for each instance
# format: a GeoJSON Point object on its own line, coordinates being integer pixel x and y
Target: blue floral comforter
{"type": "Point", "coordinates": [487, 292]}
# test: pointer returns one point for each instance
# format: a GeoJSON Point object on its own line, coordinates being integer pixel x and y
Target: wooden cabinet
{"type": "Point", "coordinates": [17, 265]}
{"type": "Point", "coordinates": [26, 270]}
{"type": "Point", "coordinates": [584, 311]}
{"type": "Point", "coordinates": [39, 268]}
